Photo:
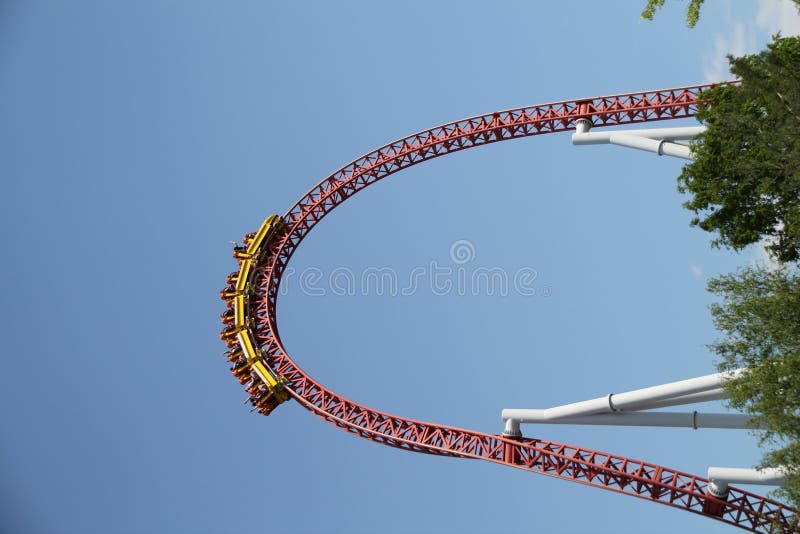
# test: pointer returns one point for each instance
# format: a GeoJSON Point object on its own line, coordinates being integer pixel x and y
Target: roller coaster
{"type": "Point", "coordinates": [270, 376]}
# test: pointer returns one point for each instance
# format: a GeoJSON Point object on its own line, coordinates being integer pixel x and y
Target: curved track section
{"type": "Point", "coordinates": [592, 468]}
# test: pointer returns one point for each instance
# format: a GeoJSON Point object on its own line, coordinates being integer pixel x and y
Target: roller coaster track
{"type": "Point", "coordinates": [598, 469]}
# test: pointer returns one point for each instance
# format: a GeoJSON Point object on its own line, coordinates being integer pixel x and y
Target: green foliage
{"type": "Point", "coordinates": [692, 12]}
{"type": "Point", "coordinates": [745, 179]}
{"type": "Point", "coordinates": [760, 317]}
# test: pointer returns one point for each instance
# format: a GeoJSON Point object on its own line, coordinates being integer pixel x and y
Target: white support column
{"type": "Point", "coordinates": [693, 420]}
{"type": "Point", "coordinates": [622, 408]}
{"type": "Point", "coordinates": [720, 477]}
{"type": "Point", "coordinates": [582, 136]}
{"type": "Point", "coordinates": [661, 141]}
{"type": "Point", "coordinates": [694, 398]}
{"type": "Point", "coordinates": [645, 398]}
{"type": "Point", "coordinates": [662, 148]}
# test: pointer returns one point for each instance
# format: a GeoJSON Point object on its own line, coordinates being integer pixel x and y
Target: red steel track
{"type": "Point", "coordinates": [592, 468]}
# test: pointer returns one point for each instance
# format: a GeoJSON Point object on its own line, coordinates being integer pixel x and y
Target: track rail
{"type": "Point", "coordinates": [598, 469]}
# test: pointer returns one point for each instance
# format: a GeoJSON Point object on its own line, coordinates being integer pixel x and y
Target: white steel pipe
{"type": "Point", "coordinates": [693, 398]}
{"type": "Point", "coordinates": [583, 137]}
{"type": "Point", "coordinates": [662, 148]}
{"type": "Point", "coordinates": [720, 477]}
{"type": "Point", "coordinates": [656, 419]}
{"type": "Point", "coordinates": [635, 400]}
{"type": "Point", "coordinates": [512, 425]}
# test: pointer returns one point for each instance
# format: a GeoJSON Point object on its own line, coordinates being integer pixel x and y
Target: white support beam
{"type": "Point", "coordinates": [720, 477]}
{"type": "Point", "coordinates": [584, 137]}
{"type": "Point", "coordinates": [661, 141]}
{"type": "Point", "coordinates": [693, 398]}
{"type": "Point", "coordinates": [656, 419]}
{"type": "Point", "coordinates": [694, 390]}
{"type": "Point", "coordinates": [645, 398]}
{"type": "Point", "coordinates": [662, 148]}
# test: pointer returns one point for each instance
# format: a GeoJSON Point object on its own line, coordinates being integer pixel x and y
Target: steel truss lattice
{"type": "Point", "coordinates": [598, 469]}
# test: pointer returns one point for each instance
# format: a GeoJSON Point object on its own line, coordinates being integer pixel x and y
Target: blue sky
{"type": "Point", "coordinates": [140, 138]}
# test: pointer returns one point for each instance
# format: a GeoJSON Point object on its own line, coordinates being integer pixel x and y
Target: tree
{"type": "Point", "coordinates": [692, 12]}
{"type": "Point", "coordinates": [745, 179]}
{"type": "Point", "coordinates": [760, 317]}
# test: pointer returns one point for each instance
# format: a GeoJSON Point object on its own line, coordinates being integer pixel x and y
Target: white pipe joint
{"type": "Point", "coordinates": [512, 429]}
{"type": "Point", "coordinates": [720, 477]}
{"type": "Point", "coordinates": [582, 126]}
